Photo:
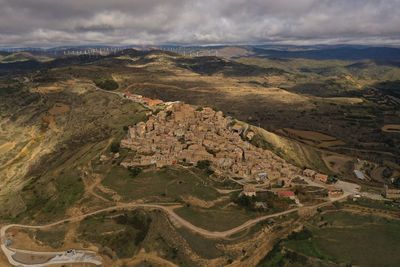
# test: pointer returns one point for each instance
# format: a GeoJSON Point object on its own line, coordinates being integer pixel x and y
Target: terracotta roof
{"type": "Point", "coordinates": [152, 102]}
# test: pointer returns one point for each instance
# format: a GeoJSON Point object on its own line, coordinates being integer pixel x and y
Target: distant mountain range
{"type": "Point", "coordinates": [342, 53]}
{"type": "Point", "coordinates": [323, 52]}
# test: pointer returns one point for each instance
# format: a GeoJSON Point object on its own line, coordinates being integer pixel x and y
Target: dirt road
{"type": "Point", "coordinates": [8, 252]}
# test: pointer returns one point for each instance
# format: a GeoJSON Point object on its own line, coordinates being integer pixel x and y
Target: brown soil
{"type": "Point", "coordinates": [377, 174]}
{"type": "Point", "coordinates": [391, 128]}
{"type": "Point", "coordinates": [338, 163]}
{"type": "Point", "coordinates": [193, 201]}
{"type": "Point", "coordinates": [59, 109]}
{"type": "Point", "coordinates": [311, 138]}
{"type": "Point", "coordinates": [50, 121]}
{"type": "Point", "coordinates": [344, 100]}
{"type": "Point", "coordinates": [22, 240]}
{"type": "Point", "coordinates": [49, 89]}
{"type": "Point", "coordinates": [4, 148]}
{"type": "Point", "coordinates": [150, 258]}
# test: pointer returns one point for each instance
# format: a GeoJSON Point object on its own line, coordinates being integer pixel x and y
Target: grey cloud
{"type": "Point", "coordinates": [50, 23]}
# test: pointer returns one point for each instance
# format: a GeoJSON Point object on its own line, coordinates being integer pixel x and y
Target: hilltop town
{"type": "Point", "coordinates": [118, 175]}
{"type": "Point", "coordinates": [183, 134]}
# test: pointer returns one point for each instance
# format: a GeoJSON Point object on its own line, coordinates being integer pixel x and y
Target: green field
{"type": "Point", "coordinates": [44, 204]}
{"type": "Point", "coordinates": [122, 233]}
{"type": "Point", "coordinates": [352, 239]}
{"type": "Point", "coordinates": [167, 184]}
{"type": "Point", "coordinates": [54, 237]}
{"type": "Point", "coordinates": [216, 218]}
{"type": "Point", "coordinates": [375, 204]}
{"type": "Point", "coordinates": [202, 246]}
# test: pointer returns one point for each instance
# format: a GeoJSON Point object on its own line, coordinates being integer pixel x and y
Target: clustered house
{"type": "Point", "coordinates": [315, 175]}
{"type": "Point", "coordinates": [149, 102]}
{"type": "Point", "coordinates": [184, 133]}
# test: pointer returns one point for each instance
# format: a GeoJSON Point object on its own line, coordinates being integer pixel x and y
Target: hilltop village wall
{"type": "Point", "coordinates": [182, 133]}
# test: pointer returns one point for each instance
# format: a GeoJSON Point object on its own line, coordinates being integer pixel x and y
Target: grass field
{"type": "Point", "coordinates": [122, 233]}
{"type": "Point", "coordinates": [375, 204]}
{"type": "Point", "coordinates": [44, 204]}
{"type": "Point", "coordinates": [353, 239]}
{"type": "Point", "coordinates": [54, 237]}
{"type": "Point", "coordinates": [216, 218]}
{"type": "Point", "coordinates": [202, 246]}
{"type": "Point", "coordinates": [166, 183]}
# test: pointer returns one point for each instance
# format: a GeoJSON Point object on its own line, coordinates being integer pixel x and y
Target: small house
{"type": "Point", "coordinates": [309, 173]}
{"type": "Point", "coordinates": [334, 192]}
{"type": "Point", "coordinates": [391, 193]}
{"type": "Point", "coordinates": [280, 182]}
{"type": "Point", "coordinates": [359, 174]}
{"type": "Point", "coordinates": [249, 190]}
{"type": "Point", "coordinates": [237, 128]}
{"type": "Point", "coordinates": [321, 177]}
{"type": "Point", "coordinates": [262, 176]}
{"type": "Point", "coordinates": [250, 135]}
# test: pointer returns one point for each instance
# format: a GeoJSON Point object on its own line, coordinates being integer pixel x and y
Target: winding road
{"type": "Point", "coordinates": [169, 210]}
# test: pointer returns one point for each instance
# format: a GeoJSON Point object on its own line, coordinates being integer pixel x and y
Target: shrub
{"type": "Point", "coordinates": [302, 235]}
{"type": "Point", "coordinates": [332, 179]}
{"type": "Point", "coordinates": [106, 84]}
{"type": "Point", "coordinates": [203, 164]}
{"type": "Point", "coordinates": [245, 201]}
{"type": "Point", "coordinates": [135, 171]}
{"type": "Point", "coordinates": [114, 148]}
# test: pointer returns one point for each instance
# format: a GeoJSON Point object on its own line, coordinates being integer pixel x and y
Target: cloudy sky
{"type": "Point", "coordinates": [124, 22]}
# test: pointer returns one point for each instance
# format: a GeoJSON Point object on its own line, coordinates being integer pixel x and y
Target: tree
{"type": "Point", "coordinates": [332, 179]}
{"type": "Point", "coordinates": [135, 171]}
{"type": "Point", "coordinates": [114, 148]}
{"type": "Point", "coordinates": [106, 84]}
{"type": "Point", "coordinates": [203, 164]}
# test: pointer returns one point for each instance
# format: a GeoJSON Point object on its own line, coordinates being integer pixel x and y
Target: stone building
{"type": "Point", "coordinates": [321, 177]}
{"type": "Point", "coordinates": [391, 193]}
{"type": "Point", "coordinates": [182, 133]}
{"type": "Point", "coordinates": [249, 190]}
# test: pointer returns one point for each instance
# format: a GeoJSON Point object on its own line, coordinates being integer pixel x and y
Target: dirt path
{"type": "Point", "coordinates": [169, 209]}
{"type": "Point", "coordinates": [148, 257]}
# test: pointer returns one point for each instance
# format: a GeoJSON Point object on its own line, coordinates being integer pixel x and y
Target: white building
{"type": "Point", "coordinates": [359, 174]}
